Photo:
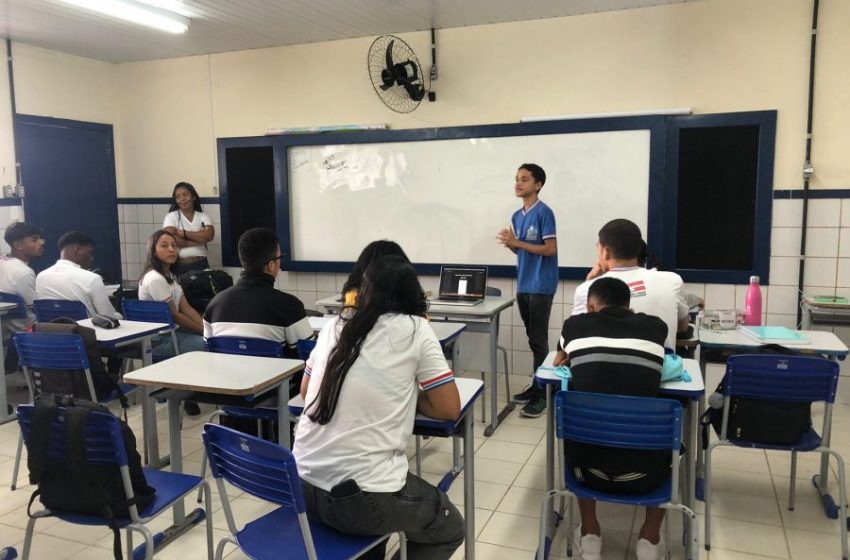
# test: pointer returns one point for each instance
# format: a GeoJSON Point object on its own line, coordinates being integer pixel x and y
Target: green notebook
{"type": "Point", "coordinates": [773, 335]}
{"type": "Point", "coordinates": [830, 300]}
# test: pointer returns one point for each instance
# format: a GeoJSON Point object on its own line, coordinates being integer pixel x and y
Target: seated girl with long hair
{"type": "Point", "coordinates": [364, 382]}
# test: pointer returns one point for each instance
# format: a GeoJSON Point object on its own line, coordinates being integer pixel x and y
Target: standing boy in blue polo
{"type": "Point", "coordinates": [532, 238]}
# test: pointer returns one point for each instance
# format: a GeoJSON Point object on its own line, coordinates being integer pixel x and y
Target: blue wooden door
{"type": "Point", "coordinates": [68, 171]}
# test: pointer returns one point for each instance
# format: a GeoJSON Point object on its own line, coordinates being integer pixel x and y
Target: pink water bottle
{"type": "Point", "coordinates": [752, 303]}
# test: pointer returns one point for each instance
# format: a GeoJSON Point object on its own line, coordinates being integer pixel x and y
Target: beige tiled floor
{"type": "Point", "coordinates": [750, 519]}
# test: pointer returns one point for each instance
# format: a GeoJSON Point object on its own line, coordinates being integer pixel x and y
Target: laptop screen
{"type": "Point", "coordinates": [462, 283]}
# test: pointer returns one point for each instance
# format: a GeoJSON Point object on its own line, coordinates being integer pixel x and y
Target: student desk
{"type": "Point", "coordinates": [218, 378]}
{"type": "Point", "coordinates": [820, 343]}
{"type": "Point", "coordinates": [142, 333]}
{"type": "Point", "coordinates": [5, 416]}
{"type": "Point", "coordinates": [470, 390]}
{"type": "Point", "coordinates": [481, 318]}
{"type": "Point", "coordinates": [692, 390]}
{"type": "Point", "coordinates": [831, 311]}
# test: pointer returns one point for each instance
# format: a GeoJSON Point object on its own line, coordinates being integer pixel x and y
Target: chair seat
{"type": "Point", "coordinates": [659, 496]}
{"type": "Point", "coordinates": [809, 441]}
{"type": "Point", "coordinates": [169, 487]}
{"type": "Point", "coordinates": [272, 536]}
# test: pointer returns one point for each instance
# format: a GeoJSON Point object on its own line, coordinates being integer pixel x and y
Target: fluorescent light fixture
{"type": "Point", "coordinates": [136, 12]}
{"type": "Point", "coordinates": [640, 113]}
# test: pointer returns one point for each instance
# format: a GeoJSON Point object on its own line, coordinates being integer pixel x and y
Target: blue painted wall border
{"type": "Point", "coordinates": [797, 194]}
{"type": "Point", "coordinates": [766, 121]}
{"type": "Point", "coordinates": [162, 200]}
{"type": "Point", "coordinates": [10, 202]}
{"type": "Point", "coordinates": [656, 124]}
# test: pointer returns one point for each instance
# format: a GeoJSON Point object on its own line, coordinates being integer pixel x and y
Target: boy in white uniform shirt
{"type": "Point", "coordinates": [16, 277]}
{"type": "Point", "coordinates": [69, 278]}
{"type": "Point", "coordinates": [652, 292]}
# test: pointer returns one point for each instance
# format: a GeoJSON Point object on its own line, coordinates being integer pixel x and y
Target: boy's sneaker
{"type": "Point", "coordinates": [588, 547]}
{"type": "Point", "coordinates": [534, 408]}
{"type": "Point", "coordinates": [648, 551]}
{"type": "Point", "coordinates": [527, 394]}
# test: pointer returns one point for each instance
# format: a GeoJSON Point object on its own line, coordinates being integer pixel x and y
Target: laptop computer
{"type": "Point", "coordinates": [461, 285]}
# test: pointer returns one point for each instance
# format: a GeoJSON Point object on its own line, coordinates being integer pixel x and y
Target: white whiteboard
{"type": "Point", "coordinates": [444, 201]}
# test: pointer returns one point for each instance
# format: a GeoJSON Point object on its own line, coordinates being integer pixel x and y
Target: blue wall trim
{"type": "Point", "coordinates": [797, 194]}
{"type": "Point", "coordinates": [10, 201]}
{"type": "Point", "coordinates": [161, 200]}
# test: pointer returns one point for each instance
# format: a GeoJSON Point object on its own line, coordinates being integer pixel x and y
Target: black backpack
{"type": "Point", "coordinates": [200, 286]}
{"type": "Point", "coordinates": [76, 485]}
{"type": "Point", "coordinates": [760, 421]}
{"type": "Point", "coordinates": [65, 382]}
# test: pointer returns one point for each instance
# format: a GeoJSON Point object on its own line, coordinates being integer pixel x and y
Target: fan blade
{"type": "Point", "coordinates": [415, 91]}
{"type": "Point", "coordinates": [390, 55]}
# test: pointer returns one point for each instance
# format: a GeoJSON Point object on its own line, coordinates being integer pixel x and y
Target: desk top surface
{"type": "Point", "coordinates": [694, 387]}
{"type": "Point", "coordinates": [817, 341]}
{"type": "Point", "coordinates": [487, 308]}
{"type": "Point", "coordinates": [445, 331]}
{"type": "Point", "coordinates": [208, 372]}
{"type": "Point", "coordinates": [126, 330]}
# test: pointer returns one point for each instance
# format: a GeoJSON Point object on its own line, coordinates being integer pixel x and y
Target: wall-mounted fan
{"type": "Point", "coordinates": [396, 74]}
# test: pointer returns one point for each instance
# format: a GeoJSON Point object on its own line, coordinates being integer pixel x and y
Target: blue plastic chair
{"type": "Point", "coordinates": [305, 347]}
{"type": "Point", "coordinates": [39, 353]}
{"type": "Point", "coordinates": [20, 311]}
{"type": "Point", "coordinates": [243, 346]}
{"type": "Point", "coordinates": [622, 422]}
{"type": "Point", "coordinates": [8, 553]}
{"type": "Point", "coordinates": [781, 378]}
{"type": "Point", "coordinates": [268, 471]}
{"type": "Point", "coordinates": [105, 445]}
{"type": "Point", "coordinates": [47, 310]}
{"type": "Point", "coordinates": [147, 311]}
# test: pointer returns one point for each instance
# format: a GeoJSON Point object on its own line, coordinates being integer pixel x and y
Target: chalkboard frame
{"type": "Point", "coordinates": [655, 124]}
{"type": "Point", "coordinates": [766, 121]}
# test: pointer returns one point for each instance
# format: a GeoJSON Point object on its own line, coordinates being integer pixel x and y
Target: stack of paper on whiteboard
{"type": "Point", "coordinates": [773, 335]}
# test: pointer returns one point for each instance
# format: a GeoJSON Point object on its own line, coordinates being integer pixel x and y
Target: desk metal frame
{"type": "Point", "coordinates": [5, 416]}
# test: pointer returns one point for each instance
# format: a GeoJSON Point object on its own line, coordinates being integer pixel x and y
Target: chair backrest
{"type": "Point", "coordinates": [305, 347]}
{"type": "Point", "coordinates": [261, 468]}
{"type": "Point", "coordinates": [619, 421]}
{"type": "Point", "coordinates": [104, 443]}
{"type": "Point", "coordinates": [147, 311]}
{"type": "Point", "coordinates": [47, 310]}
{"type": "Point", "coordinates": [20, 311]}
{"type": "Point", "coordinates": [245, 346]}
{"type": "Point", "coordinates": [780, 377]}
{"type": "Point", "coordinates": [38, 352]}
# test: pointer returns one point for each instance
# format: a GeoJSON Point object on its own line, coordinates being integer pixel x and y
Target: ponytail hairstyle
{"type": "Point", "coordinates": [389, 285]}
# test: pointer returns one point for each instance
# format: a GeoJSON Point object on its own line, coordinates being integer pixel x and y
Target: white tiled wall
{"type": "Point", "coordinates": [827, 272]}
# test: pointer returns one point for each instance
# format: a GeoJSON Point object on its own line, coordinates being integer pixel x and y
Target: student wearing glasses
{"type": "Point", "coordinates": [253, 307]}
{"type": "Point", "coordinates": [364, 383]}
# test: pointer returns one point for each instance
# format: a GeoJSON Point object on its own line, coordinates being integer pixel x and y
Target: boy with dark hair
{"type": "Point", "coordinates": [16, 277]}
{"type": "Point", "coordinates": [532, 238]}
{"type": "Point", "coordinates": [25, 242]}
{"type": "Point", "coordinates": [253, 307]}
{"type": "Point", "coordinates": [653, 292]}
{"type": "Point", "coordinates": [610, 349]}
{"type": "Point", "coordinates": [70, 278]}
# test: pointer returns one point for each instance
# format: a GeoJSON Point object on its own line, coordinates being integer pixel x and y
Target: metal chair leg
{"type": "Point", "coordinates": [17, 466]}
{"type": "Point", "coordinates": [792, 491]}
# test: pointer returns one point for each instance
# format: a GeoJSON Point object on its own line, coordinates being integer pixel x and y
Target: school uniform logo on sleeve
{"type": "Point", "coordinates": [638, 288]}
{"type": "Point", "coordinates": [531, 234]}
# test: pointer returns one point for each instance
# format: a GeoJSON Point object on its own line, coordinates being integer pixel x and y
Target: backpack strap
{"type": "Point", "coordinates": [42, 417]}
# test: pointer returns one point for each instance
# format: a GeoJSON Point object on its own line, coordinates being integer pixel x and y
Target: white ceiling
{"type": "Point", "coordinates": [233, 25]}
